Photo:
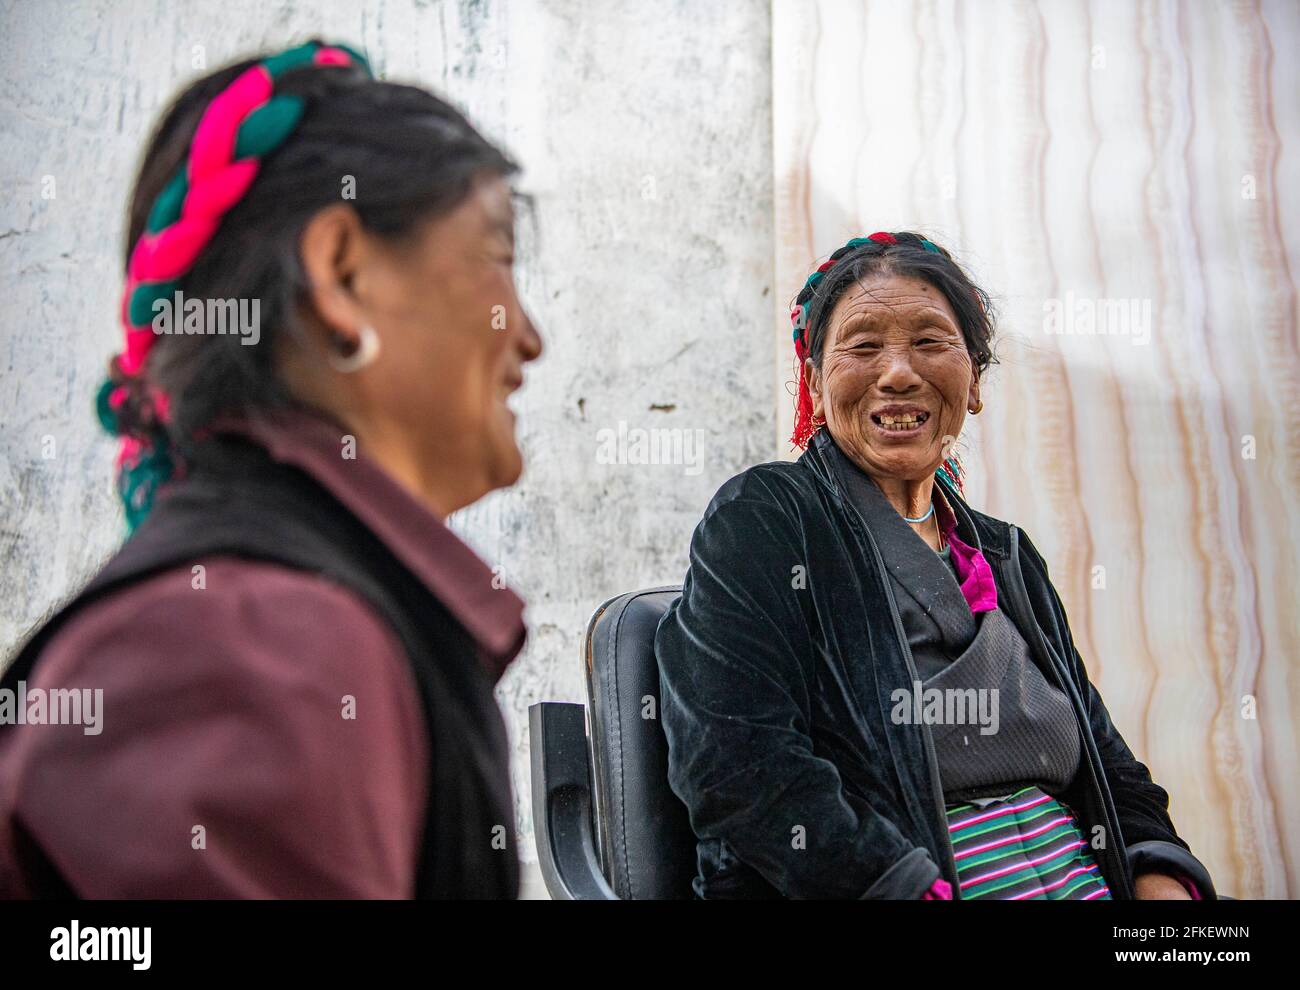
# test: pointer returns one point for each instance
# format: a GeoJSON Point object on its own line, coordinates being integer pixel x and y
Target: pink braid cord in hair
{"type": "Point", "coordinates": [215, 182]}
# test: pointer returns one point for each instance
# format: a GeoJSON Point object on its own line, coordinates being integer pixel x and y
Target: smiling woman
{"type": "Point", "coordinates": [296, 655]}
{"type": "Point", "coordinates": [775, 691]}
{"type": "Point", "coordinates": [899, 341]}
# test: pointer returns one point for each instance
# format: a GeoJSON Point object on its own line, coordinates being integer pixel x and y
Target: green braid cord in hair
{"type": "Point", "coordinates": [151, 470]}
{"type": "Point", "coordinates": [264, 130]}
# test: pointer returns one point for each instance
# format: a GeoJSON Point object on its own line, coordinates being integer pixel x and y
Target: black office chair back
{"type": "Point", "coordinates": [643, 832]}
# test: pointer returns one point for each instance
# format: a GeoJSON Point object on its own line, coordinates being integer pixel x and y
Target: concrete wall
{"type": "Point", "coordinates": [644, 130]}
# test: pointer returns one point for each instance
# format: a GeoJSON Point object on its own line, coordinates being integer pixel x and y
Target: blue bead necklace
{"type": "Point", "coordinates": [921, 519]}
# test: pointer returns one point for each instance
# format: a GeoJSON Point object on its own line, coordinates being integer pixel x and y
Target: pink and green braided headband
{"type": "Point", "coordinates": [245, 122]}
{"type": "Point", "coordinates": [242, 125]}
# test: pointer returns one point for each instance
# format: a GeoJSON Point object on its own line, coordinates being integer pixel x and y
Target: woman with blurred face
{"type": "Point", "coordinates": [296, 655]}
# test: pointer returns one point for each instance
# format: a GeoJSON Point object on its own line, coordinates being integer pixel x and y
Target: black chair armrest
{"type": "Point", "coordinates": [562, 805]}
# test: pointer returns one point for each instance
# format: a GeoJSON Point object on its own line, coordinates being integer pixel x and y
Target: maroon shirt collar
{"type": "Point", "coordinates": [453, 573]}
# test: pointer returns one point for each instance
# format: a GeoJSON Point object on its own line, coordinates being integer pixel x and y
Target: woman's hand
{"type": "Point", "coordinates": [1160, 887]}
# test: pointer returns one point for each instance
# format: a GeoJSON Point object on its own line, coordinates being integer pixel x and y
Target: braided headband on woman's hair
{"type": "Point", "coordinates": [804, 427]}
{"type": "Point", "coordinates": [245, 122]}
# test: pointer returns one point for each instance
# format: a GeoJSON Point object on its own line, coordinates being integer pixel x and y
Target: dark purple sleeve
{"type": "Point", "coordinates": [260, 737]}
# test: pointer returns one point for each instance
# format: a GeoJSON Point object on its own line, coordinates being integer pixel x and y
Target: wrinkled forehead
{"type": "Point", "coordinates": [891, 300]}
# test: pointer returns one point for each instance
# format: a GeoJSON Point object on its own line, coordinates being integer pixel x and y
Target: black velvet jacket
{"type": "Point", "coordinates": [776, 669]}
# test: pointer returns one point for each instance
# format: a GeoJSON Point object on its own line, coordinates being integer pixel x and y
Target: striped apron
{"type": "Point", "coordinates": [1012, 840]}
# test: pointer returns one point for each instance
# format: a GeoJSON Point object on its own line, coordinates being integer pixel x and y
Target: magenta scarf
{"type": "Point", "coordinates": [973, 571]}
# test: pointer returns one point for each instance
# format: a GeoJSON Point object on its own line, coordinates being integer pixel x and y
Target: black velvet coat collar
{"type": "Point", "coordinates": [925, 588]}
{"type": "Point", "coordinates": [776, 671]}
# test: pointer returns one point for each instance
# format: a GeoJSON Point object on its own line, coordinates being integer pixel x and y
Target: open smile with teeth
{"type": "Point", "coordinates": [900, 422]}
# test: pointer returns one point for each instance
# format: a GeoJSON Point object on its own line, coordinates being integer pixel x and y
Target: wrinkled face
{"type": "Point", "coordinates": [455, 341]}
{"type": "Point", "coordinates": [896, 378]}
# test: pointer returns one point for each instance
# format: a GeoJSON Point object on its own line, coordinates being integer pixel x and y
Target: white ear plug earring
{"type": "Point", "coordinates": [366, 350]}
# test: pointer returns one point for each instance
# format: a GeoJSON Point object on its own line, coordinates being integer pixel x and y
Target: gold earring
{"type": "Point", "coordinates": [979, 404]}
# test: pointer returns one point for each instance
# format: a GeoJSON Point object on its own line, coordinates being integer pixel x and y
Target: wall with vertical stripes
{"type": "Point", "coordinates": [1120, 177]}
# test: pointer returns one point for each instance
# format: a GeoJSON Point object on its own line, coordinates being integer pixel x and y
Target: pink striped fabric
{"type": "Point", "coordinates": [1027, 846]}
